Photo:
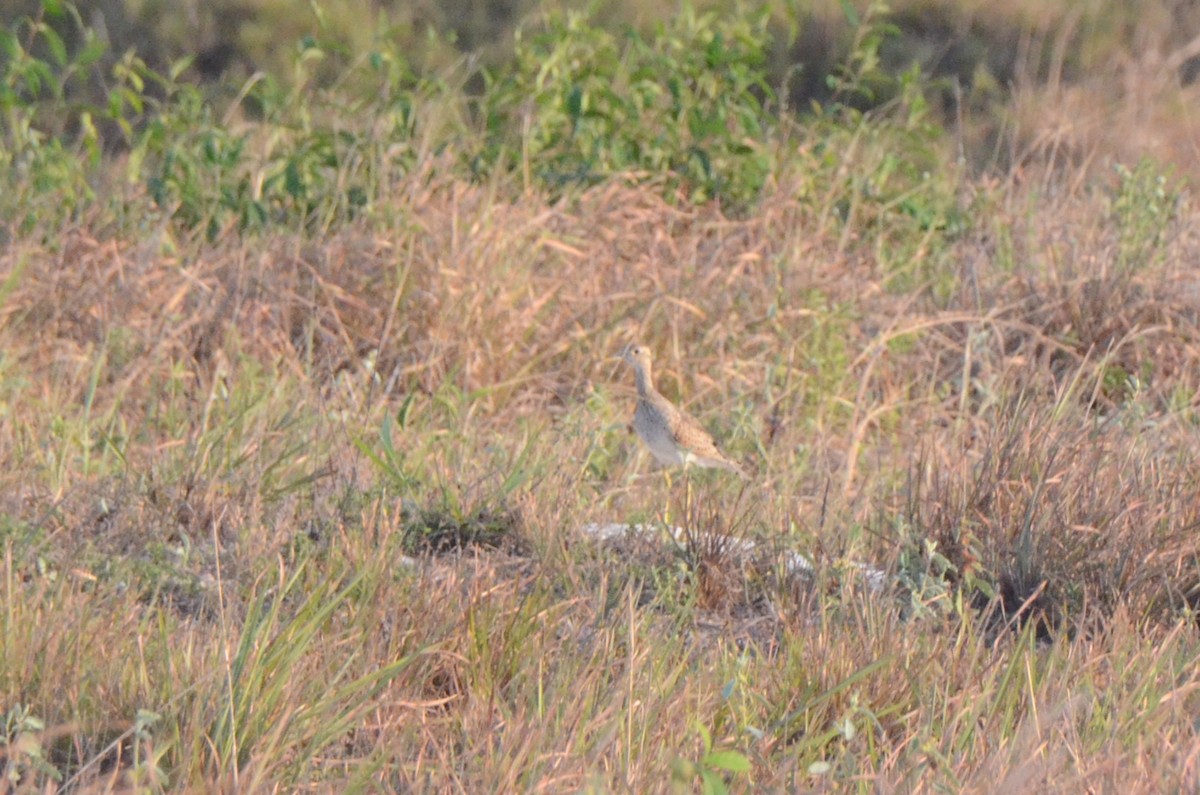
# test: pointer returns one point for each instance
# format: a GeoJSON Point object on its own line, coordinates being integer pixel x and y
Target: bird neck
{"type": "Point", "coordinates": [644, 385]}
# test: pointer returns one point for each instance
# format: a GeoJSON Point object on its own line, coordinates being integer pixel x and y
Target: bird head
{"type": "Point", "coordinates": [637, 355]}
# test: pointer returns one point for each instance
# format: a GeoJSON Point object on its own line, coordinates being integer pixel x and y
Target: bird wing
{"type": "Point", "coordinates": [689, 433]}
{"type": "Point", "coordinates": [686, 429]}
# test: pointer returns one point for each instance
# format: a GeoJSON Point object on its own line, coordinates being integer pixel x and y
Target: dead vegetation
{"type": "Point", "coordinates": [241, 442]}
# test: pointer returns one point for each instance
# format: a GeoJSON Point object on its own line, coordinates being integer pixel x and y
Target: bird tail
{"type": "Point", "coordinates": [726, 464]}
{"type": "Point", "coordinates": [735, 468]}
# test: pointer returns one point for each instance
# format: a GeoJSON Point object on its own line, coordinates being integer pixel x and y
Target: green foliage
{"type": "Point", "coordinates": [929, 578]}
{"type": "Point", "coordinates": [195, 168]}
{"type": "Point", "coordinates": [878, 170]}
{"type": "Point", "coordinates": [309, 159]}
{"type": "Point", "coordinates": [147, 756]}
{"type": "Point", "coordinates": [686, 105]}
{"type": "Point", "coordinates": [1144, 206]}
{"type": "Point", "coordinates": [23, 749]}
{"type": "Point", "coordinates": [711, 768]}
{"type": "Point", "coordinates": [302, 164]}
{"type": "Point", "coordinates": [391, 461]}
{"type": "Point", "coordinates": [45, 175]}
{"type": "Point", "coordinates": [862, 79]}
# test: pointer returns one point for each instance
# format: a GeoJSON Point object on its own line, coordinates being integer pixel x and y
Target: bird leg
{"type": "Point", "coordinates": [687, 493]}
{"type": "Point", "coordinates": [667, 499]}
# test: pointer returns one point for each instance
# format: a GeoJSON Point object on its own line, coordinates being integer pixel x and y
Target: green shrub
{"type": "Point", "coordinates": [686, 108]}
{"type": "Point", "coordinates": [686, 105]}
{"type": "Point", "coordinates": [43, 172]}
{"type": "Point", "coordinates": [1143, 208]}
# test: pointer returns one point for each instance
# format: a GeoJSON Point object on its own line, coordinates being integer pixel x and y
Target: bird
{"type": "Point", "coordinates": [673, 436]}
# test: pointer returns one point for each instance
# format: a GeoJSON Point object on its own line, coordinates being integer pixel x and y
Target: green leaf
{"type": "Point", "coordinates": [180, 66]}
{"type": "Point", "coordinates": [37, 74]}
{"type": "Point", "coordinates": [293, 183]}
{"type": "Point", "coordinates": [712, 783]}
{"type": "Point", "coordinates": [91, 52]}
{"type": "Point", "coordinates": [58, 50]}
{"type": "Point", "coordinates": [575, 103]}
{"type": "Point", "coordinates": [131, 98]}
{"type": "Point", "coordinates": [715, 54]}
{"type": "Point", "coordinates": [405, 410]}
{"type": "Point", "coordinates": [8, 44]}
{"type": "Point", "coordinates": [851, 14]}
{"type": "Point", "coordinates": [705, 736]}
{"type": "Point", "coordinates": [730, 761]}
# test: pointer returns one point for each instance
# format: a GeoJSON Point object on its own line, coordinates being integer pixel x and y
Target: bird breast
{"type": "Point", "coordinates": [653, 428]}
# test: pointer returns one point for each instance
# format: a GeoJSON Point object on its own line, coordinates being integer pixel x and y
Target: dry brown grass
{"type": "Point", "coordinates": [184, 451]}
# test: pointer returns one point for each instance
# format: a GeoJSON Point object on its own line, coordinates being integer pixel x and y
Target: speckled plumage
{"type": "Point", "coordinates": [672, 435]}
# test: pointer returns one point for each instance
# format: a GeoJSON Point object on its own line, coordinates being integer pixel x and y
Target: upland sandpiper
{"type": "Point", "coordinates": [672, 435]}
